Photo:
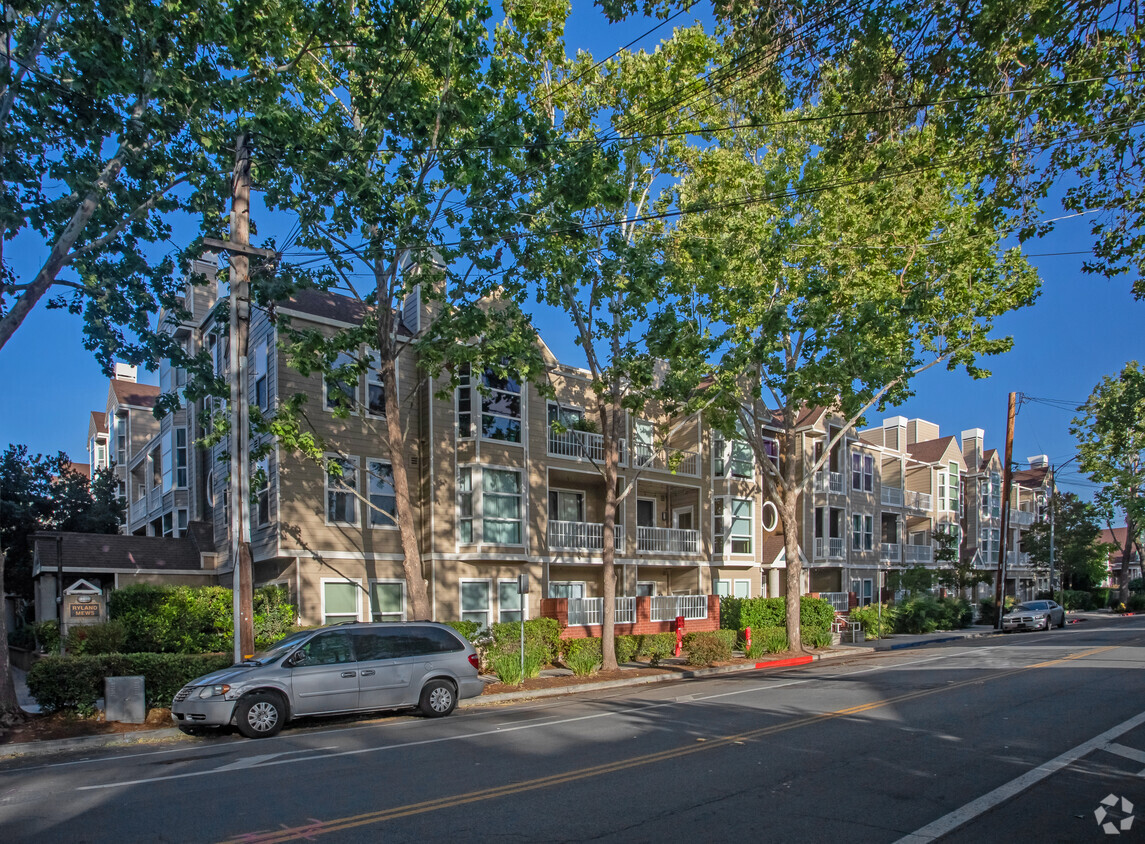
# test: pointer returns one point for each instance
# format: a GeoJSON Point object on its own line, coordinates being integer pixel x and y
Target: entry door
{"type": "Point", "coordinates": [645, 512]}
{"type": "Point", "coordinates": [326, 680]}
{"type": "Point", "coordinates": [682, 518]}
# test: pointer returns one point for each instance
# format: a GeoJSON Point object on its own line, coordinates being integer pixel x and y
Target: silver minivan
{"type": "Point", "coordinates": [351, 667]}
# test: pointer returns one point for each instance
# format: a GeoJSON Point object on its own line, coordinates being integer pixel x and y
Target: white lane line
{"type": "Point", "coordinates": [953, 820]}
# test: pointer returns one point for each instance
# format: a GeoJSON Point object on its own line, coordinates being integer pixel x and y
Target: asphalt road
{"type": "Point", "coordinates": [1015, 738]}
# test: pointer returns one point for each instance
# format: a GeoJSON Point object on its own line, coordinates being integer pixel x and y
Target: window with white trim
{"type": "Point", "coordinates": [508, 601]}
{"type": "Point", "coordinates": [862, 532]}
{"type": "Point", "coordinates": [341, 385]}
{"type": "Point", "coordinates": [375, 388]}
{"type": "Point", "coordinates": [952, 483]}
{"type": "Point", "coordinates": [339, 601]}
{"type": "Point", "coordinates": [259, 374]}
{"type": "Point", "coordinates": [500, 406]}
{"type": "Point", "coordinates": [862, 472]}
{"type": "Point", "coordinates": [742, 589]}
{"type": "Point", "coordinates": [770, 516]}
{"type": "Point", "coordinates": [181, 458]}
{"type": "Point", "coordinates": [771, 449]}
{"type": "Point", "coordinates": [465, 505]}
{"type": "Point", "coordinates": [740, 527]}
{"type": "Point", "coordinates": [341, 503]}
{"type": "Point", "coordinates": [262, 491]}
{"type": "Point", "coordinates": [724, 588]}
{"type": "Point", "coordinates": [566, 589]}
{"type": "Point", "coordinates": [718, 527]}
{"type": "Point", "coordinates": [166, 460]}
{"type": "Point", "coordinates": [501, 506]}
{"type": "Point", "coordinates": [941, 490]}
{"type": "Point", "coordinates": [387, 600]}
{"type": "Point", "coordinates": [642, 450]}
{"type": "Point", "coordinates": [475, 601]}
{"type": "Point", "coordinates": [995, 495]}
{"type": "Point", "coordinates": [380, 489]}
{"type": "Point", "coordinates": [464, 403]}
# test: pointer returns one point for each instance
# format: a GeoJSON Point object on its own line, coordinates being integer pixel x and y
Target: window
{"type": "Point", "coordinates": [475, 601]}
{"type": "Point", "coordinates": [736, 457]}
{"type": "Point", "coordinates": [566, 506]}
{"type": "Point", "coordinates": [501, 507]}
{"type": "Point", "coordinates": [566, 417]}
{"type": "Point", "coordinates": [941, 490]}
{"type": "Point", "coordinates": [375, 387]}
{"type": "Point", "coordinates": [500, 407]}
{"type": "Point", "coordinates": [740, 528]}
{"type": "Point", "coordinates": [718, 526]}
{"type": "Point", "coordinates": [168, 524]}
{"type": "Point", "coordinates": [724, 588]}
{"type": "Point", "coordinates": [166, 461]}
{"type": "Point", "coordinates": [387, 600]}
{"type": "Point", "coordinates": [262, 492]}
{"type": "Point", "coordinates": [341, 505]}
{"type": "Point", "coordinates": [642, 442]}
{"type": "Point", "coordinates": [952, 492]}
{"type": "Point", "coordinates": [770, 516]}
{"type": "Point", "coordinates": [464, 404]}
{"type": "Point", "coordinates": [771, 449]}
{"type": "Point", "coordinates": [341, 385]}
{"type": "Point", "coordinates": [862, 532]}
{"type": "Point", "coordinates": [508, 601]}
{"type": "Point", "coordinates": [465, 505]}
{"type": "Point", "coordinates": [121, 438]}
{"type": "Point", "coordinates": [742, 589]}
{"type": "Point", "coordinates": [156, 460]}
{"type": "Point", "coordinates": [646, 589]}
{"type": "Point", "coordinates": [181, 458]}
{"type": "Point", "coordinates": [566, 589]}
{"type": "Point", "coordinates": [339, 601]}
{"type": "Point", "coordinates": [380, 488]}
{"type": "Point", "coordinates": [995, 495]}
{"type": "Point", "coordinates": [181, 522]}
{"type": "Point", "coordinates": [258, 374]}
{"type": "Point", "coordinates": [862, 472]}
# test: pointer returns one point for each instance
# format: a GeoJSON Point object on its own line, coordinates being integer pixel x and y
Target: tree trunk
{"type": "Point", "coordinates": [608, 551]}
{"type": "Point", "coordinates": [1126, 556]}
{"type": "Point", "coordinates": [794, 567]}
{"type": "Point", "coordinates": [9, 706]}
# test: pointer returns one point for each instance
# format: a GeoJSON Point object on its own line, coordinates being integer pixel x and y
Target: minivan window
{"type": "Point", "coordinates": [375, 643]}
{"type": "Point", "coordinates": [327, 649]}
{"type": "Point", "coordinates": [416, 641]}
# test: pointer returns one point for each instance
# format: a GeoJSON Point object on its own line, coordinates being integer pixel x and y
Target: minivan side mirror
{"type": "Point", "coordinates": [296, 658]}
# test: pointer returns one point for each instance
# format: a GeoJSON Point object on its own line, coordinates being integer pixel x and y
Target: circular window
{"type": "Point", "coordinates": [770, 516]}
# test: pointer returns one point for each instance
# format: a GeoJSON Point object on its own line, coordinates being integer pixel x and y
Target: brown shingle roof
{"type": "Point", "coordinates": [930, 451]}
{"type": "Point", "coordinates": [98, 422]}
{"type": "Point", "coordinates": [82, 469]}
{"type": "Point", "coordinates": [113, 551]}
{"type": "Point", "coordinates": [1031, 477]}
{"type": "Point", "coordinates": [329, 305]}
{"type": "Point", "coordinates": [134, 395]}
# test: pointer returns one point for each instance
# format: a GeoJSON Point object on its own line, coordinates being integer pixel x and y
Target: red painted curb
{"type": "Point", "coordinates": [783, 663]}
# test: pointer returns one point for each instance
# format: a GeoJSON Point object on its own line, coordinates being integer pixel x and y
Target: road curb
{"type": "Point", "coordinates": [44, 748]}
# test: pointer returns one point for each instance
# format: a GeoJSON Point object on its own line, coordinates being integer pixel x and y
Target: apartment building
{"type": "Point", "coordinates": [505, 480]}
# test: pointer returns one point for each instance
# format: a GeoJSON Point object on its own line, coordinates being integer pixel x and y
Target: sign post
{"type": "Point", "coordinates": [523, 591]}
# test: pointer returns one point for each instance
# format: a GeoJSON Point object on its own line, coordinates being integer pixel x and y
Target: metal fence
{"type": "Point", "coordinates": [591, 611]}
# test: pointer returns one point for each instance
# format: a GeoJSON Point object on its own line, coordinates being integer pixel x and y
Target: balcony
{"type": "Point", "coordinates": [829, 547]}
{"type": "Point", "coordinates": [1021, 518]}
{"type": "Point", "coordinates": [581, 445]}
{"type": "Point", "coordinates": [675, 460]}
{"type": "Point", "coordinates": [890, 552]}
{"type": "Point", "coordinates": [919, 502]}
{"type": "Point", "coordinates": [582, 536]}
{"type": "Point", "coordinates": [1018, 559]}
{"type": "Point", "coordinates": [914, 554]}
{"type": "Point", "coordinates": [667, 540]}
{"type": "Point", "coordinates": [829, 482]}
{"type": "Point", "coordinates": [841, 601]}
{"type": "Point", "coordinates": [892, 496]}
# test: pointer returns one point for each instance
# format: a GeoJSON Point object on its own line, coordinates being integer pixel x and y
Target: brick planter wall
{"type": "Point", "coordinates": [558, 608]}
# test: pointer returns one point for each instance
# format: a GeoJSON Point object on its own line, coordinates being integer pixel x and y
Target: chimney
{"type": "Point", "coordinates": [1039, 461]}
{"type": "Point", "coordinates": [126, 372]}
{"type": "Point", "coordinates": [972, 440]}
{"type": "Point", "coordinates": [894, 433]}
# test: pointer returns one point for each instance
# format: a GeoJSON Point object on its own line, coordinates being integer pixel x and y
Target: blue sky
{"type": "Point", "coordinates": [1081, 328]}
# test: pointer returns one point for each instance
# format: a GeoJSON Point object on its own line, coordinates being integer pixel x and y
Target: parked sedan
{"type": "Point", "coordinates": [1034, 615]}
{"type": "Point", "coordinates": [346, 668]}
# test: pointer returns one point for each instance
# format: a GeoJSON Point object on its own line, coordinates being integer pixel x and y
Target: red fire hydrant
{"type": "Point", "coordinates": [747, 638]}
{"type": "Point", "coordinates": [679, 634]}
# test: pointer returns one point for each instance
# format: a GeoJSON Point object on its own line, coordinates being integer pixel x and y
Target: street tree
{"type": "Point", "coordinates": [956, 571]}
{"type": "Point", "coordinates": [1110, 430]}
{"type": "Point", "coordinates": [832, 273]}
{"type": "Point", "coordinates": [587, 253]}
{"type": "Point", "coordinates": [108, 112]}
{"type": "Point", "coordinates": [1079, 557]}
{"type": "Point", "coordinates": [403, 158]}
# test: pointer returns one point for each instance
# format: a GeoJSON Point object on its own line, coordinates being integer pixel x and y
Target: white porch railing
{"type": "Point", "coordinates": [918, 553]}
{"type": "Point", "coordinates": [591, 610]}
{"type": "Point", "coordinates": [1021, 518]}
{"type": "Point", "coordinates": [668, 607]}
{"type": "Point", "coordinates": [829, 482]}
{"type": "Point", "coordinates": [836, 547]}
{"type": "Point", "coordinates": [1018, 559]}
{"type": "Point", "coordinates": [677, 460]}
{"type": "Point", "coordinates": [891, 496]}
{"type": "Point", "coordinates": [667, 540]}
{"type": "Point", "coordinates": [828, 547]}
{"type": "Point", "coordinates": [841, 601]}
{"type": "Point", "coordinates": [919, 501]}
{"type": "Point", "coordinates": [588, 536]}
{"type": "Point", "coordinates": [890, 552]}
{"type": "Point", "coordinates": [582, 445]}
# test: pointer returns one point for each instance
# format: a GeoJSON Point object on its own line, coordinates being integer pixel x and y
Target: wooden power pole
{"type": "Point", "coordinates": [1000, 583]}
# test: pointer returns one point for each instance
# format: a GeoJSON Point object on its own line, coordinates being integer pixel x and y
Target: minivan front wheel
{"type": "Point", "coordinates": [438, 699]}
{"type": "Point", "coordinates": [260, 715]}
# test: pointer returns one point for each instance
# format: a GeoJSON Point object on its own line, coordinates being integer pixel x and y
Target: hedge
{"type": "Point", "coordinates": [740, 613]}
{"type": "Point", "coordinates": [76, 682]}
{"type": "Point", "coordinates": [542, 635]}
{"type": "Point", "coordinates": [709, 647]}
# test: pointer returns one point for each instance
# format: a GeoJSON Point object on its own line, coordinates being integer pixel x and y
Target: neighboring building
{"type": "Point", "coordinates": [1116, 536]}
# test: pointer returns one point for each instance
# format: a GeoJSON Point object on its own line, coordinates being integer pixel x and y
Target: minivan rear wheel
{"type": "Point", "coordinates": [438, 699]}
{"type": "Point", "coordinates": [260, 715]}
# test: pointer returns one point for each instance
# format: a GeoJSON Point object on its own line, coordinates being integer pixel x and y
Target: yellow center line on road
{"type": "Point", "coordinates": [316, 828]}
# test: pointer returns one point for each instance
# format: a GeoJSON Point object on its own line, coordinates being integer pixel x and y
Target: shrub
{"type": "Point", "coordinates": [574, 650]}
{"type": "Point", "coordinates": [583, 661]}
{"type": "Point", "coordinates": [818, 638]}
{"type": "Point", "coordinates": [105, 638]}
{"type": "Point", "coordinates": [507, 667]}
{"type": "Point", "coordinates": [1136, 602]}
{"type": "Point", "coordinates": [1137, 584]}
{"type": "Point", "coordinates": [542, 635]}
{"type": "Point", "coordinates": [1077, 599]}
{"type": "Point", "coordinates": [471, 630]}
{"type": "Point", "coordinates": [755, 650]}
{"type": "Point", "coordinates": [47, 634]}
{"type": "Point", "coordinates": [869, 616]}
{"type": "Point", "coordinates": [773, 639]}
{"type": "Point", "coordinates": [655, 646]}
{"type": "Point", "coordinates": [22, 637]}
{"type": "Point", "coordinates": [739, 613]}
{"type": "Point", "coordinates": [626, 648]}
{"type": "Point", "coordinates": [986, 608]}
{"type": "Point", "coordinates": [76, 682]}
{"type": "Point", "coordinates": [274, 615]}
{"type": "Point", "coordinates": [710, 647]}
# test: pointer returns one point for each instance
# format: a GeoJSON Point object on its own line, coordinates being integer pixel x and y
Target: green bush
{"type": "Point", "coordinates": [626, 648]}
{"type": "Point", "coordinates": [868, 617]}
{"type": "Point", "coordinates": [1136, 602]}
{"type": "Point", "coordinates": [507, 667]}
{"type": "Point", "coordinates": [740, 613]}
{"type": "Point", "coordinates": [1137, 584]}
{"type": "Point", "coordinates": [925, 614]}
{"type": "Point", "coordinates": [986, 608]}
{"type": "Point", "coordinates": [583, 661]}
{"type": "Point", "coordinates": [471, 630]}
{"type": "Point", "coordinates": [47, 635]}
{"type": "Point", "coordinates": [105, 638]}
{"type": "Point", "coordinates": [76, 682]}
{"type": "Point", "coordinates": [709, 647]}
{"type": "Point", "coordinates": [274, 615]}
{"type": "Point", "coordinates": [22, 637]}
{"type": "Point", "coordinates": [655, 646]}
{"type": "Point", "coordinates": [542, 635]}
{"type": "Point", "coordinates": [773, 639]}
{"type": "Point", "coordinates": [755, 650]}
{"type": "Point", "coordinates": [572, 648]}
{"type": "Point", "coordinates": [1078, 599]}
{"type": "Point", "coordinates": [818, 639]}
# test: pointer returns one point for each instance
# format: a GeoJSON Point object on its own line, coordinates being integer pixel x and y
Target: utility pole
{"type": "Point", "coordinates": [1000, 585]}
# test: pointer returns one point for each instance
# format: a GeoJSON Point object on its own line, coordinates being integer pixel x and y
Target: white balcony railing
{"type": "Point", "coordinates": [676, 460]}
{"type": "Point", "coordinates": [585, 536]}
{"type": "Point", "coordinates": [669, 607]}
{"type": "Point", "coordinates": [918, 553]}
{"type": "Point", "coordinates": [829, 482]}
{"type": "Point", "coordinates": [829, 547]}
{"type": "Point", "coordinates": [841, 601]}
{"type": "Point", "coordinates": [890, 552]}
{"type": "Point", "coordinates": [892, 496]}
{"type": "Point", "coordinates": [1021, 518]}
{"type": "Point", "coordinates": [1018, 559]}
{"type": "Point", "coordinates": [836, 547]}
{"type": "Point", "coordinates": [667, 540]}
{"type": "Point", "coordinates": [591, 611]}
{"type": "Point", "coordinates": [582, 445]}
{"type": "Point", "coordinates": [920, 501]}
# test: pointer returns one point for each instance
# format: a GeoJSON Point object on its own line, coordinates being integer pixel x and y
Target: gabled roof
{"type": "Point", "coordinates": [932, 451]}
{"type": "Point", "coordinates": [82, 469]}
{"type": "Point", "coordinates": [134, 395]}
{"type": "Point", "coordinates": [98, 423]}
{"type": "Point", "coordinates": [333, 306]}
{"type": "Point", "coordinates": [116, 552]}
{"type": "Point", "coordinates": [1035, 477]}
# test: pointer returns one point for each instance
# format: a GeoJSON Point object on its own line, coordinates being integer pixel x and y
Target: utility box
{"type": "Point", "coordinates": [123, 700]}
